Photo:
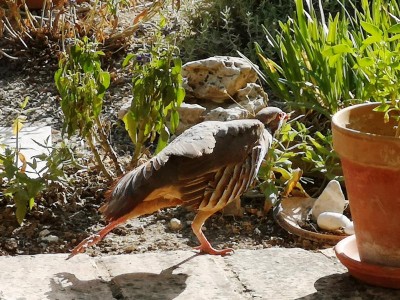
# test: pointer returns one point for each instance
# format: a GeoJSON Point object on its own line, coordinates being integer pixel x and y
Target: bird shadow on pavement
{"type": "Point", "coordinates": [141, 285]}
{"type": "Point", "coordinates": [344, 286]}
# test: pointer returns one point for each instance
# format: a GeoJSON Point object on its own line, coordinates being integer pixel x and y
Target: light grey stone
{"type": "Point", "coordinates": [217, 78]}
{"type": "Point", "coordinates": [191, 113]}
{"type": "Point", "coordinates": [226, 114]}
{"type": "Point", "coordinates": [274, 273]}
{"type": "Point", "coordinates": [252, 97]}
{"type": "Point", "coordinates": [175, 224]}
{"type": "Point", "coordinates": [279, 273]}
{"type": "Point", "coordinates": [170, 275]}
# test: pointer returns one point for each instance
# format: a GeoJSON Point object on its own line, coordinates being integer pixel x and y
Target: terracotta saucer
{"type": "Point", "coordinates": [379, 275]}
{"type": "Point", "coordinates": [294, 211]}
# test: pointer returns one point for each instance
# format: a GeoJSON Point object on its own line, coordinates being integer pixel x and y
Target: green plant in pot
{"type": "Point", "coordinates": [366, 137]}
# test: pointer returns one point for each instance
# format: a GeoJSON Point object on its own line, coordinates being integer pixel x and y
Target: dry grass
{"type": "Point", "coordinates": [59, 21]}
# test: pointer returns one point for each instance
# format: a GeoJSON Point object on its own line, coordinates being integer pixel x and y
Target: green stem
{"type": "Point", "coordinates": [96, 154]}
{"type": "Point", "coordinates": [138, 146]}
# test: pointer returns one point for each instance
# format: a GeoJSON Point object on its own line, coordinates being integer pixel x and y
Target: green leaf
{"type": "Point", "coordinates": [394, 29]}
{"type": "Point", "coordinates": [174, 120]}
{"type": "Point", "coordinates": [372, 40]}
{"type": "Point", "coordinates": [21, 201]}
{"type": "Point", "coordinates": [105, 79]}
{"type": "Point", "coordinates": [383, 107]}
{"type": "Point", "coordinates": [24, 104]}
{"type": "Point", "coordinates": [394, 38]}
{"type": "Point", "coordinates": [371, 28]}
{"type": "Point", "coordinates": [163, 139]}
{"type": "Point", "coordinates": [337, 49]}
{"type": "Point", "coordinates": [365, 62]}
{"type": "Point", "coordinates": [128, 59]}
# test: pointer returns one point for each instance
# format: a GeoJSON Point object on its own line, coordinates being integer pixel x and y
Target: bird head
{"type": "Point", "coordinates": [272, 117]}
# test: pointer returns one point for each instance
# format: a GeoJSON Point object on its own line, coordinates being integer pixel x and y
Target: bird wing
{"type": "Point", "coordinates": [188, 168]}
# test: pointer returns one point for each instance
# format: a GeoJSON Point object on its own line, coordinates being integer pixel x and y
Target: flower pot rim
{"type": "Point", "coordinates": [341, 126]}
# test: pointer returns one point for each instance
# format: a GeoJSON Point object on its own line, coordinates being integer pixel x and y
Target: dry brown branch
{"type": "Point", "coordinates": [7, 55]}
{"type": "Point", "coordinates": [60, 20]}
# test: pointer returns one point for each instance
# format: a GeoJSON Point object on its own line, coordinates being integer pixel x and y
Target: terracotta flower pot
{"type": "Point", "coordinates": [34, 4]}
{"type": "Point", "coordinates": [370, 157]}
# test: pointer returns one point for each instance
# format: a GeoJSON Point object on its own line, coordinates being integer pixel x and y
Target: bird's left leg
{"type": "Point", "coordinates": [205, 246]}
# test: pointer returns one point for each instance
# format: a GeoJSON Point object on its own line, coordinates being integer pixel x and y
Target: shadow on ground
{"type": "Point", "coordinates": [124, 286]}
{"type": "Point", "coordinates": [344, 286]}
{"type": "Point", "coordinates": [144, 286]}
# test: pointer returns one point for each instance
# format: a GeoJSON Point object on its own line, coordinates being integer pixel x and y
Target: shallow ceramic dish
{"type": "Point", "coordinates": [383, 276]}
{"type": "Point", "coordinates": [292, 212]}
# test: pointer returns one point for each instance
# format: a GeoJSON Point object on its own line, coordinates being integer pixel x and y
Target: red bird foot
{"type": "Point", "coordinates": [208, 249]}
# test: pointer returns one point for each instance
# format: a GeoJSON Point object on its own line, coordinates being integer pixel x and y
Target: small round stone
{"type": "Point", "coordinates": [175, 224]}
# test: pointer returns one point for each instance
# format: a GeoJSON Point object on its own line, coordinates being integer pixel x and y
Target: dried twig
{"type": "Point", "coordinates": [7, 55]}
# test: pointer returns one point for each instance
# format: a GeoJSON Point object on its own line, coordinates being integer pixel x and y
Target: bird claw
{"type": "Point", "coordinates": [210, 250]}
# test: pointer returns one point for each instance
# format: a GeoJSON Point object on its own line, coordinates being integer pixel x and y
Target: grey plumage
{"type": "Point", "coordinates": [192, 166]}
{"type": "Point", "coordinates": [206, 167]}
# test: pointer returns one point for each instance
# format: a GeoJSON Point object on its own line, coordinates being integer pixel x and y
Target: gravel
{"type": "Point", "coordinates": [65, 214]}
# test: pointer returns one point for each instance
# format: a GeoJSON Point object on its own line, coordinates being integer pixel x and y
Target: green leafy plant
{"type": "Point", "coordinates": [157, 94]}
{"type": "Point", "coordinates": [21, 186]}
{"type": "Point", "coordinates": [315, 69]}
{"type": "Point", "coordinates": [378, 55]}
{"type": "Point", "coordinates": [297, 151]}
{"type": "Point", "coordinates": [82, 84]}
{"type": "Point", "coordinates": [314, 73]}
{"type": "Point", "coordinates": [223, 27]}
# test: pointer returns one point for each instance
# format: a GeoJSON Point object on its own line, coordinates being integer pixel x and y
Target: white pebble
{"type": "Point", "coordinates": [175, 224]}
{"type": "Point", "coordinates": [349, 229]}
{"type": "Point", "coordinates": [332, 221]}
{"type": "Point", "coordinates": [50, 238]}
{"type": "Point", "coordinates": [330, 200]}
{"type": "Point", "coordinates": [44, 232]}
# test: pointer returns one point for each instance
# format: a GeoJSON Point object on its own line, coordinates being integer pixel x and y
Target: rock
{"type": "Point", "coordinates": [330, 200]}
{"type": "Point", "coordinates": [252, 98]}
{"type": "Point", "coordinates": [226, 114]}
{"type": "Point", "coordinates": [217, 78]}
{"type": "Point", "coordinates": [44, 232]}
{"type": "Point", "coordinates": [191, 113]}
{"type": "Point", "coordinates": [126, 105]}
{"type": "Point", "coordinates": [11, 244]}
{"type": "Point", "coordinates": [50, 239]}
{"type": "Point", "coordinates": [332, 221]}
{"type": "Point", "coordinates": [175, 224]}
{"type": "Point", "coordinates": [234, 208]}
{"type": "Point", "coordinates": [349, 229]}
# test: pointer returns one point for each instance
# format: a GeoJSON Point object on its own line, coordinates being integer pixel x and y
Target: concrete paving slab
{"type": "Point", "coordinates": [50, 276]}
{"type": "Point", "coordinates": [175, 275]}
{"type": "Point", "coordinates": [275, 273]}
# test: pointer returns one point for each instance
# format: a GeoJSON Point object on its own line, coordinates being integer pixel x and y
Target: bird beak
{"type": "Point", "coordinates": [284, 116]}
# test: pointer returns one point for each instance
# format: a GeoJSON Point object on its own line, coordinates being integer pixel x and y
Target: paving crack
{"type": "Point", "coordinates": [105, 275]}
{"type": "Point", "coordinates": [239, 286]}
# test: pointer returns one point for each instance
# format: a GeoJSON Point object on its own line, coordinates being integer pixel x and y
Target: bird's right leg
{"type": "Point", "coordinates": [205, 246]}
{"type": "Point", "coordinates": [95, 238]}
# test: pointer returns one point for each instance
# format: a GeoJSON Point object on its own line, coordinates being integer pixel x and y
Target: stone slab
{"type": "Point", "coordinates": [50, 276]}
{"type": "Point", "coordinates": [275, 273]}
{"type": "Point", "coordinates": [26, 143]}
{"type": "Point", "coordinates": [171, 275]}
{"type": "Point", "coordinates": [278, 273]}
